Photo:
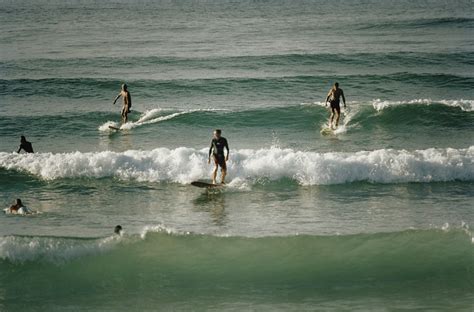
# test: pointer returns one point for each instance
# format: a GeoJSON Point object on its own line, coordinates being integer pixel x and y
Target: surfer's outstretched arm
{"type": "Point", "coordinates": [120, 94]}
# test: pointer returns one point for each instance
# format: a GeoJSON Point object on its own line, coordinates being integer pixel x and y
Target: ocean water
{"type": "Point", "coordinates": [375, 217]}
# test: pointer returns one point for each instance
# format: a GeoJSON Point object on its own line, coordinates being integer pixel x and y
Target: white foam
{"type": "Point", "coordinates": [346, 116]}
{"type": "Point", "coordinates": [150, 117]}
{"type": "Point", "coordinates": [183, 165]}
{"type": "Point", "coordinates": [51, 249]}
{"type": "Point", "coordinates": [465, 105]}
{"type": "Point", "coordinates": [23, 211]}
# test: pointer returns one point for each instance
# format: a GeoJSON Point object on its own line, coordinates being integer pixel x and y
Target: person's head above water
{"type": "Point", "coordinates": [336, 85]}
{"type": "Point", "coordinates": [124, 87]}
{"type": "Point", "coordinates": [118, 229]}
{"type": "Point", "coordinates": [18, 202]}
{"type": "Point", "coordinates": [22, 138]}
{"type": "Point", "coordinates": [217, 133]}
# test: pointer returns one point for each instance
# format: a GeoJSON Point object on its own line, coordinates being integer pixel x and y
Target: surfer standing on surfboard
{"type": "Point", "coordinates": [218, 144]}
{"type": "Point", "coordinates": [333, 98]}
{"type": "Point", "coordinates": [127, 102]}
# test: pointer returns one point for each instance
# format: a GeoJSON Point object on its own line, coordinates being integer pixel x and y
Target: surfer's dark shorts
{"type": "Point", "coordinates": [220, 161]}
{"type": "Point", "coordinates": [335, 105]}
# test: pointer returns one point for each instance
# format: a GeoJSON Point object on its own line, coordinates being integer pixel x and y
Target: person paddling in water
{"type": "Point", "coordinates": [127, 102]}
{"type": "Point", "coordinates": [333, 98]}
{"type": "Point", "coordinates": [25, 145]}
{"type": "Point", "coordinates": [218, 144]}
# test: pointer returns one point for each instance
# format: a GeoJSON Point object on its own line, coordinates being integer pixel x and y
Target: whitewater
{"type": "Point", "coordinates": [184, 165]}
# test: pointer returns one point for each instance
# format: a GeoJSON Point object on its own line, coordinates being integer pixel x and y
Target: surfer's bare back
{"type": "Point", "coordinates": [333, 98]}
{"type": "Point", "coordinates": [127, 102]}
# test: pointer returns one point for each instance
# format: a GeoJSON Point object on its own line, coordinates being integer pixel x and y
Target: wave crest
{"type": "Point", "coordinates": [183, 165]}
{"type": "Point", "coordinates": [465, 105]}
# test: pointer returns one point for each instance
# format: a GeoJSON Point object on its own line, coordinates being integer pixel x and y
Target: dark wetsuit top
{"type": "Point", "coordinates": [217, 148]}
{"type": "Point", "coordinates": [26, 146]}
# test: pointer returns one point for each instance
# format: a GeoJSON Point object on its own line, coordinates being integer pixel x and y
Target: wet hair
{"type": "Point", "coordinates": [18, 202]}
{"type": "Point", "coordinates": [336, 84]}
{"type": "Point", "coordinates": [23, 138]}
{"type": "Point", "coordinates": [124, 86]}
{"type": "Point", "coordinates": [118, 229]}
{"type": "Point", "coordinates": [218, 131]}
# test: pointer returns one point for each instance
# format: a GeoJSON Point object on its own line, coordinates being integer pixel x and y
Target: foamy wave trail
{"type": "Point", "coordinates": [183, 165]}
{"type": "Point", "coordinates": [465, 105]}
{"type": "Point", "coordinates": [150, 117]}
{"type": "Point", "coordinates": [162, 259]}
{"type": "Point", "coordinates": [57, 250]}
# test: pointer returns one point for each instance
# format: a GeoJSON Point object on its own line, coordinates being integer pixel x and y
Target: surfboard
{"type": "Point", "coordinates": [114, 128]}
{"type": "Point", "coordinates": [206, 185]}
{"type": "Point", "coordinates": [326, 130]}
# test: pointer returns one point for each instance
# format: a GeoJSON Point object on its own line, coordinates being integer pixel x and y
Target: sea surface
{"type": "Point", "coordinates": [377, 216]}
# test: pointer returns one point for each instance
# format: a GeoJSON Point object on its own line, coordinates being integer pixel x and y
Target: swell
{"type": "Point", "coordinates": [162, 259]}
{"type": "Point", "coordinates": [407, 59]}
{"type": "Point", "coordinates": [184, 165]}
{"type": "Point", "coordinates": [102, 87]}
{"type": "Point", "coordinates": [425, 113]}
{"type": "Point", "coordinates": [458, 22]}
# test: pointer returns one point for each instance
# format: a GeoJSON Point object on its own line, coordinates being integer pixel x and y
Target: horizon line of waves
{"type": "Point", "coordinates": [184, 165]}
{"type": "Point", "coordinates": [95, 88]}
{"type": "Point", "coordinates": [405, 58]}
{"type": "Point", "coordinates": [410, 23]}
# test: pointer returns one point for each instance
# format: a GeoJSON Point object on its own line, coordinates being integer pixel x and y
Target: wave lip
{"type": "Point", "coordinates": [465, 105]}
{"type": "Point", "coordinates": [57, 250]}
{"type": "Point", "coordinates": [183, 165]}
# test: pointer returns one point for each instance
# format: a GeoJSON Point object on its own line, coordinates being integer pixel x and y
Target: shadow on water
{"type": "Point", "coordinates": [212, 202]}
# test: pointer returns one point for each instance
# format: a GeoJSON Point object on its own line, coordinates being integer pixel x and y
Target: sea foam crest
{"type": "Point", "coordinates": [52, 249]}
{"type": "Point", "coordinates": [183, 165]}
{"type": "Point", "coordinates": [150, 117]}
{"type": "Point", "coordinates": [465, 105]}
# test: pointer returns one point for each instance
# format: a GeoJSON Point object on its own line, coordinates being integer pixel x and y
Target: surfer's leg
{"type": "Point", "coordinates": [124, 113]}
{"type": "Point", "coordinates": [338, 115]}
{"type": "Point", "coordinates": [223, 165]}
{"type": "Point", "coordinates": [223, 174]}
{"type": "Point", "coordinates": [331, 118]}
{"type": "Point", "coordinates": [216, 167]}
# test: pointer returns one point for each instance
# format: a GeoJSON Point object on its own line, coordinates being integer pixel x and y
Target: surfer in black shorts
{"type": "Point", "coordinates": [333, 98]}
{"type": "Point", "coordinates": [218, 144]}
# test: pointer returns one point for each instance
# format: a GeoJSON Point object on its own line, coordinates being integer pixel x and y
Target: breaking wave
{"type": "Point", "coordinates": [183, 165]}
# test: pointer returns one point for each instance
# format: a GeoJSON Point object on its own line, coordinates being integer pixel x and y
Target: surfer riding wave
{"type": "Point", "coordinates": [333, 98]}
